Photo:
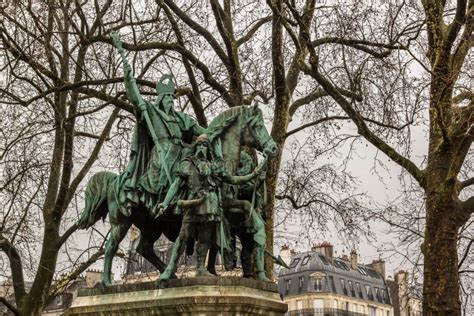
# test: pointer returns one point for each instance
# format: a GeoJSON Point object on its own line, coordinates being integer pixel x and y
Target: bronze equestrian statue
{"type": "Point", "coordinates": [161, 140]}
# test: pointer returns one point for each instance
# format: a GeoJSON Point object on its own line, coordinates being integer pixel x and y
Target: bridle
{"type": "Point", "coordinates": [254, 121]}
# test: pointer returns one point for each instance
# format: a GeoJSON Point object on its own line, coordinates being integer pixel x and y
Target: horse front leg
{"type": "Point", "coordinates": [145, 248]}
{"type": "Point", "coordinates": [117, 233]}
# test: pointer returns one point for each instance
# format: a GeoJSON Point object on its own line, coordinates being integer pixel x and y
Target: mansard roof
{"type": "Point", "coordinates": [313, 272]}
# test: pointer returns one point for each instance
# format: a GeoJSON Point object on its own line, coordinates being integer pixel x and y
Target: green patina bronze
{"type": "Point", "coordinates": [166, 169]}
{"type": "Point", "coordinates": [157, 144]}
{"type": "Point", "coordinates": [202, 177]}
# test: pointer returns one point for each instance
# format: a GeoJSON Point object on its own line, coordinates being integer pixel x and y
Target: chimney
{"type": "Point", "coordinates": [401, 280]}
{"type": "Point", "coordinates": [379, 266]}
{"type": "Point", "coordinates": [354, 259]}
{"type": "Point", "coordinates": [285, 254]}
{"type": "Point", "coordinates": [93, 277]}
{"type": "Point", "coordinates": [324, 248]}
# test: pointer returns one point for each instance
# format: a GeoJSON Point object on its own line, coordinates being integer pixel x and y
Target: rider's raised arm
{"type": "Point", "coordinates": [130, 83]}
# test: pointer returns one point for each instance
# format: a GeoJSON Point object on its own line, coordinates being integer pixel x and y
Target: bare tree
{"type": "Point", "coordinates": [54, 103]}
{"type": "Point", "coordinates": [447, 43]}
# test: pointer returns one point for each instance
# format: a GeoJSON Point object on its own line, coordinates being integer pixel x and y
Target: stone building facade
{"type": "Point", "coordinates": [318, 283]}
{"type": "Point", "coordinates": [407, 298]}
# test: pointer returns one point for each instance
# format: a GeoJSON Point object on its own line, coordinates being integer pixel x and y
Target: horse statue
{"type": "Point", "coordinates": [229, 132]}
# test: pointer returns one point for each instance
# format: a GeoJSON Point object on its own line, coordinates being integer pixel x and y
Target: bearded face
{"type": "Point", "coordinates": [202, 150]}
{"type": "Point", "coordinates": [167, 103]}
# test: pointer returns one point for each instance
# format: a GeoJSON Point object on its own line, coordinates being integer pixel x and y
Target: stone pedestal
{"type": "Point", "coordinates": [191, 296]}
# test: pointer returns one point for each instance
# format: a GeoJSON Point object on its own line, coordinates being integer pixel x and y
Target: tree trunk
{"type": "Point", "coordinates": [441, 280]}
{"type": "Point", "coordinates": [271, 182]}
{"type": "Point", "coordinates": [35, 301]}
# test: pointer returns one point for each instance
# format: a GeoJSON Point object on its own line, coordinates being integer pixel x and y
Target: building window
{"type": "Point", "coordinates": [333, 285]}
{"type": "Point", "coordinates": [359, 289]}
{"type": "Point", "coordinates": [335, 304]}
{"type": "Point", "coordinates": [301, 282]}
{"type": "Point", "coordinates": [362, 309]}
{"type": "Point", "coordinates": [299, 305]}
{"type": "Point", "coordinates": [323, 259]}
{"type": "Point", "coordinates": [362, 271]}
{"type": "Point", "coordinates": [318, 284]}
{"type": "Point", "coordinates": [305, 260]}
{"type": "Point", "coordinates": [343, 286]}
{"type": "Point", "coordinates": [372, 311]}
{"type": "Point", "coordinates": [351, 288]}
{"type": "Point", "coordinates": [377, 294]}
{"type": "Point", "coordinates": [287, 286]}
{"type": "Point", "coordinates": [370, 296]}
{"type": "Point", "coordinates": [294, 263]}
{"type": "Point", "coordinates": [318, 305]}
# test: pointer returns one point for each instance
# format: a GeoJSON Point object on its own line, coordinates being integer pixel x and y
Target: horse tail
{"type": "Point", "coordinates": [96, 199]}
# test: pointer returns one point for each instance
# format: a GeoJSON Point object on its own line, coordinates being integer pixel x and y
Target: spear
{"type": "Point", "coordinates": [278, 260]}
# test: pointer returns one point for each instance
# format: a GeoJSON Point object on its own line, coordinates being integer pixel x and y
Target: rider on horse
{"type": "Point", "coordinates": [157, 144]}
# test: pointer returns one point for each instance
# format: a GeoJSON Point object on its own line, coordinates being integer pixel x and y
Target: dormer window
{"type": "Point", "coordinates": [294, 263]}
{"type": "Point", "coordinates": [305, 260]}
{"type": "Point", "coordinates": [59, 300]}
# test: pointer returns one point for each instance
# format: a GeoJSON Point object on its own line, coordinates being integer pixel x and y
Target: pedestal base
{"type": "Point", "coordinates": [192, 296]}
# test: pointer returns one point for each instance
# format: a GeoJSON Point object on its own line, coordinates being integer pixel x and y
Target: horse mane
{"type": "Point", "coordinates": [219, 124]}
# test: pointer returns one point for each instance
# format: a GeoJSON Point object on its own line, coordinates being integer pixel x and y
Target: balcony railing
{"type": "Point", "coordinates": [323, 312]}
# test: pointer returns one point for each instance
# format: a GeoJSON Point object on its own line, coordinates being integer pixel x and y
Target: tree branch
{"type": "Point", "coordinates": [9, 305]}
{"type": "Point", "coordinates": [253, 30]}
{"type": "Point", "coordinates": [194, 95]}
{"type": "Point", "coordinates": [362, 128]}
{"type": "Point", "coordinates": [466, 183]}
{"type": "Point", "coordinates": [85, 134]}
{"type": "Point", "coordinates": [361, 45]}
{"type": "Point", "coordinates": [200, 30]}
{"type": "Point", "coordinates": [322, 120]}
{"type": "Point", "coordinates": [466, 254]}
{"type": "Point", "coordinates": [467, 207]}
{"type": "Point", "coordinates": [62, 284]}
{"type": "Point", "coordinates": [92, 158]}
{"type": "Point", "coordinates": [16, 268]}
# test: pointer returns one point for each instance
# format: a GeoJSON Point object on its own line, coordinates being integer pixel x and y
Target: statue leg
{"type": "Point", "coordinates": [117, 233]}
{"type": "Point", "coordinates": [204, 241]}
{"type": "Point", "coordinates": [178, 249]}
{"type": "Point", "coordinates": [260, 239]}
{"type": "Point", "coordinates": [248, 245]}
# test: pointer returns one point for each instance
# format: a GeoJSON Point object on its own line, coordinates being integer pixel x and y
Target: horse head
{"type": "Point", "coordinates": [254, 133]}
